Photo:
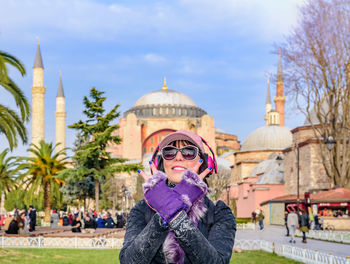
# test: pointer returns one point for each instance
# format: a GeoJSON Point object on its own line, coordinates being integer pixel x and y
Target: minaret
{"type": "Point", "coordinates": [60, 117]}
{"type": "Point", "coordinates": [38, 99]}
{"type": "Point", "coordinates": [280, 99]}
{"type": "Point", "coordinates": [268, 105]}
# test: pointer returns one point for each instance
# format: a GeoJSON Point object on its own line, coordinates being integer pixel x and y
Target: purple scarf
{"type": "Point", "coordinates": [172, 249]}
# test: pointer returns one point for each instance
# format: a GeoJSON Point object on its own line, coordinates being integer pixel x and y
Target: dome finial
{"type": "Point", "coordinates": [164, 86]}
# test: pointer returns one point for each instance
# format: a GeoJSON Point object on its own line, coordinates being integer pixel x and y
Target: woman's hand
{"type": "Point", "coordinates": [195, 169]}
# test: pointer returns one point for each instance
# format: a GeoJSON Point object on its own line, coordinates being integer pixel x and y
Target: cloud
{"type": "Point", "coordinates": [153, 58]}
{"type": "Point", "coordinates": [97, 21]}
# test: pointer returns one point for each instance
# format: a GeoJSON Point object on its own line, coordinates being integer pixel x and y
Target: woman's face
{"type": "Point", "coordinates": [176, 167]}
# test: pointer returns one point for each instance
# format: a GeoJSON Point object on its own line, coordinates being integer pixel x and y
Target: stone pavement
{"type": "Point", "coordinates": [277, 234]}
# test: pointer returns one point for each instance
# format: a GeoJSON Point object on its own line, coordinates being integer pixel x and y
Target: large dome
{"type": "Point", "coordinates": [271, 137]}
{"type": "Point", "coordinates": [165, 103]}
{"type": "Point", "coordinates": [165, 97]}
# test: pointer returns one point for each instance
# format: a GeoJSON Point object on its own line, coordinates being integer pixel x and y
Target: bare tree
{"type": "Point", "coordinates": [316, 58]}
{"type": "Point", "coordinates": [218, 182]}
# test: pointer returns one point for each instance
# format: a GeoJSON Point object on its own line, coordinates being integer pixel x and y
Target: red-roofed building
{"type": "Point", "coordinates": [325, 204]}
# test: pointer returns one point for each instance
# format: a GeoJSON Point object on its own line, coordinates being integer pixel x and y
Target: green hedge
{"type": "Point", "coordinates": [243, 220]}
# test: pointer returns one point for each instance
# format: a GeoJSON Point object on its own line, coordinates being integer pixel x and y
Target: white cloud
{"type": "Point", "coordinates": [153, 58]}
{"type": "Point", "coordinates": [86, 19]}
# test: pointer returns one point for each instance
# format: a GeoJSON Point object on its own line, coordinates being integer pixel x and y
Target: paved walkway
{"type": "Point", "coordinates": [277, 234]}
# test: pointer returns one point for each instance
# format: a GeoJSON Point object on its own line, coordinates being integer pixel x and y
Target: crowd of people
{"type": "Point", "coordinates": [24, 221]}
{"type": "Point", "coordinates": [19, 221]}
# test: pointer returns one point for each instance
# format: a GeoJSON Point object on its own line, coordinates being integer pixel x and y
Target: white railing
{"type": "Point", "coordinates": [327, 235]}
{"type": "Point", "coordinates": [292, 252]}
{"type": "Point", "coordinates": [299, 254]}
{"type": "Point", "coordinates": [61, 242]}
{"type": "Point", "coordinates": [245, 226]}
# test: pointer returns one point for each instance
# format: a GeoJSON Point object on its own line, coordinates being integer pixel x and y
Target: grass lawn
{"type": "Point", "coordinates": [106, 256]}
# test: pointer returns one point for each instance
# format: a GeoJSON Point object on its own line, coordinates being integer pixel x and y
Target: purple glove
{"type": "Point", "coordinates": [161, 198]}
{"type": "Point", "coordinates": [191, 188]}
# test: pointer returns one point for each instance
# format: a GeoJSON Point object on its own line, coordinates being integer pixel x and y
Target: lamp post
{"type": "Point", "coordinates": [298, 175]}
{"type": "Point", "coordinates": [228, 194]}
{"type": "Point", "coordinates": [330, 143]}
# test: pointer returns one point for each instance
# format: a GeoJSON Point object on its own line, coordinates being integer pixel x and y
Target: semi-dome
{"type": "Point", "coordinates": [271, 137]}
{"type": "Point", "coordinates": [165, 97]}
{"type": "Point", "coordinates": [165, 103]}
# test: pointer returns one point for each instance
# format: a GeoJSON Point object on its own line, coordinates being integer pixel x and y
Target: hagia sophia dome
{"type": "Point", "coordinates": [165, 103]}
{"type": "Point", "coordinates": [270, 137]}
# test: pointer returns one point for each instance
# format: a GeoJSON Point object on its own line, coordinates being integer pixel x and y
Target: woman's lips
{"type": "Point", "coordinates": [178, 168]}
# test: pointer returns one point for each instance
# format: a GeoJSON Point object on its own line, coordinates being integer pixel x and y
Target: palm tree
{"type": "Point", "coordinates": [42, 169]}
{"type": "Point", "coordinates": [12, 124]}
{"type": "Point", "coordinates": [9, 167]}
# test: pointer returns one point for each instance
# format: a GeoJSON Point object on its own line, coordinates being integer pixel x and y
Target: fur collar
{"type": "Point", "coordinates": [173, 251]}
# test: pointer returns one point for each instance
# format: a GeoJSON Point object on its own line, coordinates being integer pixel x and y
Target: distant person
{"type": "Point", "coordinates": [89, 224]}
{"type": "Point", "coordinates": [76, 225]}
{"type": "Point", "coordinates": [254, 217]}
{"type": "Point", "coordinates": [292, 223]}
{"type": "Point", "coordinates": [110, 222]}
{"type": "Point", "coordinates": [23, 224]}
{"type": "Point", "coordinates": [70, 218]}
{"type": "Point", "coordinates": [304, 223]}
{"type": "Point", "coordinates": [32, 218]}
{"type": "Point", "coordinates": [285, 221]}
{"type": "Point", "coordinates": [7, 221]}
{"type": "Point", "coordinates": [261, 218]}
{"type": "Point", "coordinates": [317, 222]}
{"type": "Point", "coordinates": [55, 218]}
{"type": "Point", "coordinates": [120, 221]}
{"type": "Point", "coordinates": [65, 220]}
{"type": "Point", "coordinates": [2, 221]}
{"type": "Point", "coordinates": [13, 227]}
{"type": "Point", "coordinates": [101, 223]}
{"type": "Point", "coordinates": [312, 221]}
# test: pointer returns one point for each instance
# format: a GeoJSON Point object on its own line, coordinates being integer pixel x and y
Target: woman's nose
{"type": "Point", "coordinates": [179, 156]}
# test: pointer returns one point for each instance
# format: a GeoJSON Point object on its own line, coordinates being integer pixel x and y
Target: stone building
{"type": "Point", "coordinates": [312, 175]}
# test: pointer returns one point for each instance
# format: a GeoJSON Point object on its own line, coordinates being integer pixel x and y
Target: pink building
{"type": "Point", "coordinates": [264, 183]}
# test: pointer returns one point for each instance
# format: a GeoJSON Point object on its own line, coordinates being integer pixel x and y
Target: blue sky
{"type": "Point", "coordinates": [217, 52]}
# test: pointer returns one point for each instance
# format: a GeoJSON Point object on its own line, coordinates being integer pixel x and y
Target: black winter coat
{"type": "Point", "coordinates": [13, 228]}
{"type": "Point", "coordinates": [211, 242]}
{"type": "Point", "coordinates": [304, 220]}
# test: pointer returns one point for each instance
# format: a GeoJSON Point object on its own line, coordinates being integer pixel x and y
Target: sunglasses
{"type": "Point", "coordinates": [188, 152]}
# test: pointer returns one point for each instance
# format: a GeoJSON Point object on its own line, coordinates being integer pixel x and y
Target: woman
{"type": "Point", "coordinates": [304, 223]}
{"type": "Point", "coordinates": [261, 218]}
{"type": "Point", "coordinates": [13, 227]}
{"type": "Point", "coordinates": [23, 224]}
{"type": "Point", "coordinates": [176, 222]}
{"type": "Point", "coordinates": [76, 225]}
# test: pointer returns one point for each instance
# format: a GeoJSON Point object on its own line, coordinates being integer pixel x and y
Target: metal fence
{"type": "Point", "coordinates": [291, 252]}
{"type": "Point", "coordinates": [246, 226]}
{"type": "Point", "coordinates": [327, 235]}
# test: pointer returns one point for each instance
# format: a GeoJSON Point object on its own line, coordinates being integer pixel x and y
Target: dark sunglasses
{"type": "Point", "coordinates": [188, 152]}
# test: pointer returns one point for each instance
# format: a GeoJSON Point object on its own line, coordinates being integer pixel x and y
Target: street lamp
{"type": "Point", "coordinates": [330, 142]}
{"type": "Point", "coordinates": [228, 194]}
{"type": "Point", "coordinates": [298, 175]}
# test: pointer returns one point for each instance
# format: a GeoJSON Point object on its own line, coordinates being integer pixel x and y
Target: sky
{"type": "Point", "coordinates": [219, 53]}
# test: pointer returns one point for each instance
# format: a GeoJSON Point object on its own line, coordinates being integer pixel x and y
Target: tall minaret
{"type": "Point", "coordinates": [280, 99]}
{"type": "Point", "coordinates": [268, 105]}
{"type": "Point", "coordinates": [60, 117]}
{"type": "Point", "coordinates": [38, 99]}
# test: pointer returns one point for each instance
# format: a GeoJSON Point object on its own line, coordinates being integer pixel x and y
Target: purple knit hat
{"type": "Point", "coordinates": [183, 135]}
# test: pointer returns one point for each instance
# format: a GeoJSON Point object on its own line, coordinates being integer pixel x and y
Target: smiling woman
{"type": "Point", "coordinates": [176, 222]}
